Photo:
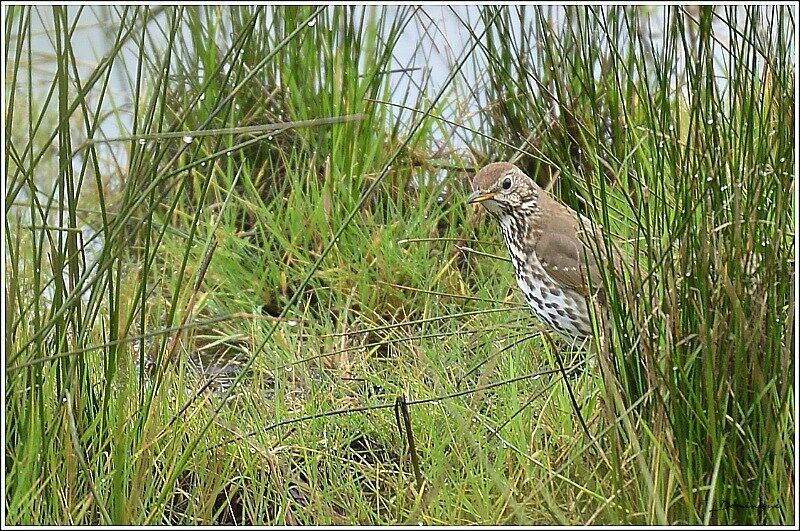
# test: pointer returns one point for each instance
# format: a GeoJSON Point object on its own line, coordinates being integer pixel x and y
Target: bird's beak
{"type": "Point", "coordinates": [478, 197]}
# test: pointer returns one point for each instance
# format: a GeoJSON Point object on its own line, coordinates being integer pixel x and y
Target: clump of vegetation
{"type": "Point", "coordinates": [247, 290]}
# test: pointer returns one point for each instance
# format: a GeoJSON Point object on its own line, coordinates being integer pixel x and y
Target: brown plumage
{"type": "Point", "coordinates": [555, 263]}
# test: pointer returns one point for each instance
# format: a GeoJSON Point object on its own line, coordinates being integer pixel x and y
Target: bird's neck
{"type": "Point", "coordinates": [519, 228]}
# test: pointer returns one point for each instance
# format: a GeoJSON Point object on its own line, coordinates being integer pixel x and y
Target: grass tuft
{"type": "Point", "coordinates": [242, 286]}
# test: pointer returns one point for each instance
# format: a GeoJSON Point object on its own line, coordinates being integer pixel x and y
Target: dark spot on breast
{"type": "Point", "coordinates": [544, 292]}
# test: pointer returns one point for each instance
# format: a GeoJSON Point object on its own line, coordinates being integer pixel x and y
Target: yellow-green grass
{"type": "Point", "coordinates": [333, 257]}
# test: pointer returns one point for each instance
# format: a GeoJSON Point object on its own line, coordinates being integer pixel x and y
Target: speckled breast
{"type": "Point", "coordinates": [561, 309]}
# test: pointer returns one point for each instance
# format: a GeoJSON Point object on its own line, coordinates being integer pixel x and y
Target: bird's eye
{"type": "Point", "coordinates": [506, 183]}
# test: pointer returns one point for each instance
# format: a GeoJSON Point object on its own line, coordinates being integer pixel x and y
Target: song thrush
{"type": "Point", "coordinates": [554, 261]}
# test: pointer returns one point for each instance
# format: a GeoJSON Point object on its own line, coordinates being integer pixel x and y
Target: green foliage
{"type": "Point", "coordinates": [209, 319]}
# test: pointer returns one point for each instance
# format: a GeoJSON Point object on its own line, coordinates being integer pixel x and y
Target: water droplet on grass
{"type": "Point", "coordinates": [312, 23]}
{"type": "Point", "coordinates": [142, 141]}
{"type": "Point", "coordinates": [188, 139]}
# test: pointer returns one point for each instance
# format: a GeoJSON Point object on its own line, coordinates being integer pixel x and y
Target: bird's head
{"type": "Point", "coordinates": [502, 188]}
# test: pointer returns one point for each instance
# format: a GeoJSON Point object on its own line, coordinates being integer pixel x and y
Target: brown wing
{"type": "Point", "coordinates": [566, 253]}
{"type": "Point", "coordinates": [562, 257]}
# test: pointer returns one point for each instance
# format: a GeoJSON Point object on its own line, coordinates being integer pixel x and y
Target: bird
{"type": "Point", "coordinates": [555, 264]}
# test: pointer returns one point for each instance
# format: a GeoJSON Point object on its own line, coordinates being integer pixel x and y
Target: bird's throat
{"type": "Point", "coordinates": [517, 233]}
